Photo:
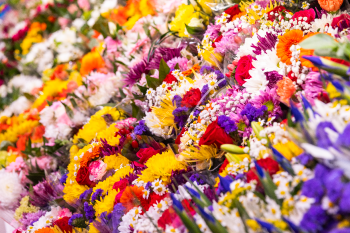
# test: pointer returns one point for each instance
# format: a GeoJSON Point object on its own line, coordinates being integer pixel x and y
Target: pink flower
{"type": "Point", "coordinates": [97, 170]}
{"type": "Point", "coordinates": [111, 44]}
{"type": "Point", "coordinates": [309, 14]}
{"type": "Point", "coordinates": [182, 61]}
{"type": "Point", "coordinates": [19, 166]}
{"type": "Point", "coordinates": [125, 123]}
{"type": "Point", "coordinates": [84, 4]}
{"type": "Point", "coordinates": [63, 22]}
{"type": "Point", "coordinates": [313, 87]}
{"type": "Point", "coordinates": [72, 8]}
{"type": "Point", "coordinates": [64, 213]}
{"type": "Point", "coordinates": [44, 162]}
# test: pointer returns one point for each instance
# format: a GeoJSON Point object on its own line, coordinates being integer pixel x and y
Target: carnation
{"type": "Point", "coordinates": [10, 189]}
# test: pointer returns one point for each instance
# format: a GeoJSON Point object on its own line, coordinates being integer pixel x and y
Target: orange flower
{"type": "Point", "coordinates": [286, 41]}
{"type": "Point", "coordinates": [196, 68]}
{"type": "Point", "coordinates": [132, 197]}
{"type": "Point", "coordinates": [45, 230]}
{"type": "Point", "coordinates": [88, 156]}
{"type": "Point", "coordinates": [330, 5]}
{"type": "Point", "coordinates": [119, 15]}
{"type": "Point", "coordinates": [285, 89]}
{"type": "Point", "coordinates": [38, 133]}
{"type": "Point", "coordinates": [91, 61]}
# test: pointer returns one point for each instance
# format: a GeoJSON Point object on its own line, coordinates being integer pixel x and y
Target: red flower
{"type": "Point", "coordinates": [223, 166]}
{"type": "Point", "coordinates": [83, 177]}
{"type": "Point", "coordinates": [243, 67]}
{"type": "Point", "coordinates": [167, 218]}
{"type": "Point", "coordinates": [340, 61]}
{"type": "Point", "coordinates": [268, 164]}
{"type": "Point", "coordinates": [342, 21]}
{"type": "Point", "coordinates": [62, 223]}
{"type": "Point", "coordinates": [145, 153]}
{"type": "Point", "coordinates": [132, 197]}
{"type": "Point", "coordinates": [177, 141]}
{"type": "Point", "coordinates": [215, 135]}
{"type": "Point", "coordinates": [232, 11]}
{"type": "Point", "coordinates": [275, 10]}
{"type": "Point", "coordinates": [121, 186]}
{"type": "Point", "coordinates": [169, 79]}
{"type": "Point", "coordinates": [191, 98]}
{"type": "Point", "coordinates": [216, 41]}
{"type": "Point", "coordinates": [309, 14]}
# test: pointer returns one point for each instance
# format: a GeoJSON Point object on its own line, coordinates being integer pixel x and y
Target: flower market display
{"type": "Point", "coordinates": [175, 116]}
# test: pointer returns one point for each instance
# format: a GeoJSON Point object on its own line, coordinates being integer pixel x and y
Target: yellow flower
{"type": "Point", "coordinates": [160, 166]}
{"type": "Point", "coordinates": [253, 224]}
{"type": "Point", "coordinates": [19, 127]}
{"type": "Point", "coordinates": [97, 124]}
{"type": "Point", "coordinates": [106, 204]}
{"type": "Point", "coordinates": [164, 113]}
{"type": "Point", "coordinates": [93, 229]}
{"type": "Point", "coordinates": [183, 16]}
{"type": "Point", "coordinates": [108, 183]}
{"type": "Point", "coordinates": [25, 207]}
{"type": "Point", "coordinates": [332, 91]}
{"type": "Point", "coordinates": [213, 58]}
{"type": "Point", "coordinates": [115, 161]}
{"type": "Point", "coordinates": [289, 149]}
{"type": "Point", "coordinates": [201, 155]}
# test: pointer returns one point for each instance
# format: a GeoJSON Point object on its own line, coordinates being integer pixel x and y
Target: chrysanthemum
{"type": "Point", "coordinates": [136, 72]}
{"type": "Point", "coordinates": [10, 188]}
{"type": "Point", "coordinates": [288, 39]}
{"type": "Point", "coordinates": [165, 114]}
{"type": "Point", "coordinates": [160, 166]}
{"type": "Point", "coordinates": [106, 204]}
{"type": "Point", "coordinates": [202, 155]}
{"type": "Point", "coordinates": [269, 99]}
{"type": "Point", "coordinates": [163, 53]}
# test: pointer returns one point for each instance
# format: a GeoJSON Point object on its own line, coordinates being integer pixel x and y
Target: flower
{"type": "Point", "coordinates": [271, 15]}
{"type": "Point", "coordinates": [169, 79]}
{"type": "Point", "coordinates": [273, 77]}
{"type": "Point", "coordinates": [342, 22]}
{"type": "Point", "coordinates": [145, 153]}
{"type": "Point", "coordinates": [285, 89]}
{"type": "Point", "coordinates": [226, 123]}
{"type": "Point", "coordinates": [136, 72]}
{"type": "Point", "coordinates": [62, 223]}
{"type": "Point", "coordinates": [83, 177]}
{"type": "Point", "coordinates": [330, 5]}
{"type": "Point", "coordinates": [314, 219]}
{"type": "Point", "coordinates": [10, 188]}
{"type": "Point", "coordinates": [306, 15]}
{"type": "Point", "coordinates": [97, 169]}
{"type": "Point", "coordinates": [191, 98]}
{"type": "Point", "coordinates": [232, 11]}
{"type": "Point", "coordinates": [216, 135]}
{"type": "Point", "coordinates": [243, 67]}
{"type": "Point", "coordinates": [141, 128]}
{"type": "Point", "coordinates": [167, 54]}
{"type": "Point", "coordinates": [132, 197]}
{"type": "Point", "coordinates": [183, 16]}
{"type": "Point", "coordinates": [252, 113]}
{"type": "Point", "coordinates": [91, 61]}
{"type": "Point", "coordinates": [288, 39]}
{"type": "Point", "coordinates": [268, 164]}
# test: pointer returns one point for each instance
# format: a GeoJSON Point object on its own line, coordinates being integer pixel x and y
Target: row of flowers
{"type": "Point", "coordinates": [175, 116]}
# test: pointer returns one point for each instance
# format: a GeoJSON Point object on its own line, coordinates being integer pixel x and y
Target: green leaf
{"type": "Point", "coordinates": [142, 89]}
{"type": "Point", "coordinates": [189, 223]}
{"type": "Point", "coordinates": [101, 25]}
{"type": "Point", "coordinates": [68, 110]}
{"type": "Point", "coordinates": [122, 93]}
{"type": "Point", "coordinates": [202, 195]}
{"type": "Point", "coordinates": [136, 111]}
{"type": "Point", "coordinates": [163, 70]}
{"type": "Point", "coordinates": [29, 97]}
{"type": "Point", "coordinates": [107, 105]}
{"type": "Point", "coordinates": [152, 82]}
{"type": "Point", "coordinates": [177, 66]}
{"type": "Point", "coordinates": [74, 104]}
{"type": "Point", "coordinates": [319, 42]}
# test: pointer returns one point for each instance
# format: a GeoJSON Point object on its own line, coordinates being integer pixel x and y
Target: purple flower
{"type": "Point", "coordinates": [177, 100]}
{"type": "Point", "coordinates": [77, 220]}
{"type": "Point", "coordinates": [64, 178]}
{"type": "Point", "coordinates": [86, 194]}
{"type": "Point", "coordinates": [117, 214]}
{"type": "Point", "coordinates": [107, 150]}
{"type": "Point", "coordinates": [344, 202]}
{"type": "Point", "coordinates": [198, 178]}
{"type": "Point", "coordinates": [141, 128]}
{"type": "Point", "coordinates": [341, 230]}
{"type": "Point", "coordinates": [181, 61]}
{"type": "Point", "coordinates": [321, 172]}
{"type": "Point", "coordinates": [136, 72]}
{"type": "Point", "coordinates": [334, 185]}
{"type": "Point", "coordinates": [89, 212]}
{"type": "Point", "coordinates": [204, 93]}
{"type": "Point", "coordinates": [213, 31]}
{"type": "Point", "coordinates": [29, 218]}
{"type": "Point", "coordinates": [227, 124]}
{"type": "Point", "coordinates": [305, 158]}
{"type": "Point", "coordinates": [323, 140]}
{"type": "Point", "coordinates": [265, 43]}
{"type": "Point", "coordinates": [313, 86]}
{"type": "Point", "coordinates": [206, 69]}
{"type": "Point", "coordinates": [344, 139]}
{"type": "Point", "coordinates": [313, 188]}
{"type": "Point", "coordinates": [314, 219]}
{"type": "Point", "coordinates": [96, 195]}
{"type": "Point", "coordinates": [181, 116]}
{"type": "Point", "coordinates": [221, 79]}
{"type": "Point", "coordinates": [42, 194]}
{"type": "Point", "coordinates": [196, 112]}
{"type": "Point", "coordinates": [273, 77]}
{"type": "Point", "coordinates": [163, 53]}
{"type": "Point", "coordinates": [253, 113]}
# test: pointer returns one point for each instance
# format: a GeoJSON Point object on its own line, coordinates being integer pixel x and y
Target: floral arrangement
{"type": "Point", "coordinates": [175, 116]}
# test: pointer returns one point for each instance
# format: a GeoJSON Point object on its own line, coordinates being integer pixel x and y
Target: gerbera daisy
{"type": "Point", "coordinates": [269, 99]}
{"type": "Point", "coordinates": [290, 38]}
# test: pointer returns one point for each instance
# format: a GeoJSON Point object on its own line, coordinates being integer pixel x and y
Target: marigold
{"type": "Point", "coordinates": [290, 38]}
{"type": "Point", "coordinates": [285, 89]}
{"type": "Point", "coordinates": [91, 61]}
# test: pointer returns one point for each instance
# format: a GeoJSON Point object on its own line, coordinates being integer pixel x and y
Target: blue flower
{"type": "Point", "coordinates": [344, 139]}
{"type": "Point", "coordinates": [344, 203]}
{"type": "Point", "coordinates": [313, 188]}
{"type": "Point", "coordinates": [141, 128]}
{"type": "Point", "coordinates": [305, 158]}
{"type": "Point", "coordinates": [227, 124]}
{"type": "Point", "coordinates": [96, 195]}
{"type": "Point", "coordinates": [89, 211]}
{"type": "Point", "coordinates": [253, 113]}
{"type": "Point", "coordinates": [314, 219]}
{"type": "Point", "coordinates": [180, 116]}
{"type": "Point", "coordinates": [117, 214]}
{"type": "Point", "coordinates": [322, 136]}
{"type": "Point", "coordinates": [64, 178]}
{"type": "Point", "coordinates": [334, 184]}
{"type": "Point", "coordinates": [85, 194]}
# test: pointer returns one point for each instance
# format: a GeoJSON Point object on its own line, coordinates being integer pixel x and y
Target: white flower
{"type": "Point", "coordinates": [10, 189]}
{"type": "Point", "coordinates": [17, 107]}
{"type": "Point", "coordinates": [257, 82]}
